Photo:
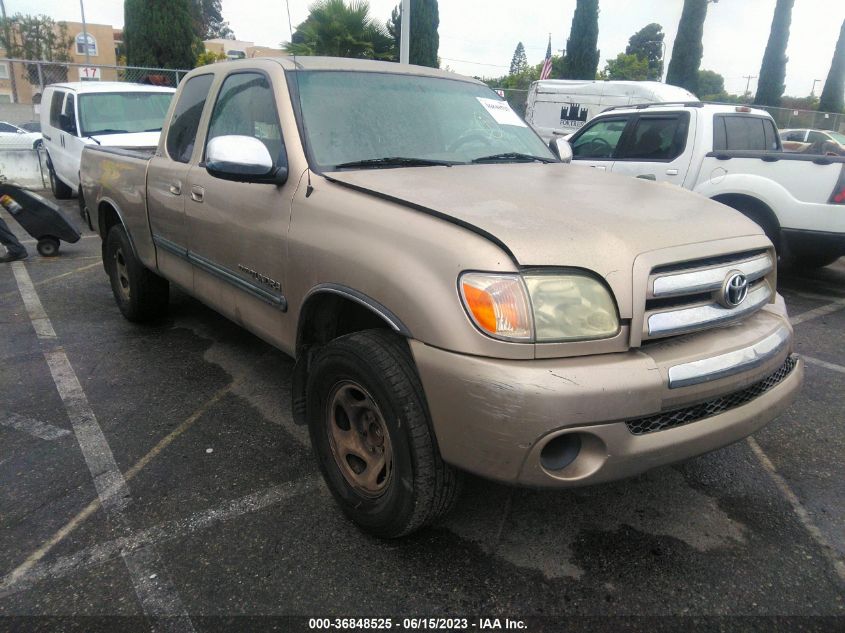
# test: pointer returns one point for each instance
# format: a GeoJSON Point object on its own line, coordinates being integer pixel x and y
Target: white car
{"type": "Point", "coordinates": [108, 113]}
{"type": "Point", "coordinates": [15, 137]}
{"type": "Point", "coordinates": [732, 154]}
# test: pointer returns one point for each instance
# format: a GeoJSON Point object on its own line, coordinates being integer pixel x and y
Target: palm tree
{"type": "Point", "coordinates": [336, 29]}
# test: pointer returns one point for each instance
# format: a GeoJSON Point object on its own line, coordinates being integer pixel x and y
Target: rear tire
{"type": "Point", "coordinates": [140, 294]}
{"type": "Point", "coordinates": [371, 435]}
{"type": "Point", "coordinates": [60, 190]}
{"type": "Point", "coordinates": [760, 216]}
{"type": "Point", "coordinates": [48, 246]}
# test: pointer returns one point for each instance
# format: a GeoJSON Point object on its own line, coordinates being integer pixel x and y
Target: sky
{"type": "Point", "coordinates": [478, 37]}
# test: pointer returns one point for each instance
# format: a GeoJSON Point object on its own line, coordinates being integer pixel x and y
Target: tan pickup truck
{"type": "Point", "coordinates": [456, 298]}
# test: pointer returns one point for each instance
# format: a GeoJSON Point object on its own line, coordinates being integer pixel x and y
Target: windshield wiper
{"type": "Point", "coordinates": [395, 161]}
{"type": "Point", "coordinates": [93, 139]}
{"type": "Point", "coordinates": [511, 157]}
{"type": "Point", "coordinates": [106, 131]}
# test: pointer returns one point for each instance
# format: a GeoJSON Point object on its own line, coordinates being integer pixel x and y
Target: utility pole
{"type": "Point", "coordinates": [8, 36]}
{"type": "Point", "coordinates": [405, 34]}
{"type": "Point", "coordinates": [85, 35]}
{"type": "Point", "coordinates": [748, 83]}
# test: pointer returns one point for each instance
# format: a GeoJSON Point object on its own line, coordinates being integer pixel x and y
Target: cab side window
{"type": "Point", "coordinates": [743, 132]}
{"type": "Point", "coordinates": [56, 108]}
{"type": "Point", "coordinates": [658, 138]}
{"type": "Point", "coordinates": [246, 106]}
{"type": "Point", "coordinates": [600, 139]}
{"type": "Point", "coordinates": [182, 133]}
{"type": "Point", "coordinates": [68, 118]}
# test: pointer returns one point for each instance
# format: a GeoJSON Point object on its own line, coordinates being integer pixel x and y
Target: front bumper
{"type": "Point", "coordinates": [562, 422]}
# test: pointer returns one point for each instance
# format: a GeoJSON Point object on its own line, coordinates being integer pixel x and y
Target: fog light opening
{"type": "Point", "coordinates": [561, 451]}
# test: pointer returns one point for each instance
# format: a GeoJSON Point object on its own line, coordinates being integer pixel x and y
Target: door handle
{"type": "Point", "coordinates": [175, 188]}
{"type": "Point", "coordinates": [671, 172]}
{"type": "Point", "coordinates": [647, 177]}
{"type": "Point", "coordinates": [600, 167]}
{"type": "Point", "coordinates": [197, 193]}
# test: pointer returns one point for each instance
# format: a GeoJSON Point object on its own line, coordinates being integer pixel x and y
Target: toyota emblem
{"type": "Point", "coordinates": [735, 290]}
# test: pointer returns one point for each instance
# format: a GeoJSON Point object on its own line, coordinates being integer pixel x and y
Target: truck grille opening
{"type": "Point", "coordinates": [696, 412]}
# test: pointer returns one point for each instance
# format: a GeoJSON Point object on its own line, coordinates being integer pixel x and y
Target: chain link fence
{"type": "Point", "coordinates": [31, 77]}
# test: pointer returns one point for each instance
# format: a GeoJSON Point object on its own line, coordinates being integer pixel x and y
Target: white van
{"type": "Point", "coordinates": [559, 107]}
{"type": "Point", "coordinates": [111, 113]}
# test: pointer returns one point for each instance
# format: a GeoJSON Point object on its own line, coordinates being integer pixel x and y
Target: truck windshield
{"type": "Point", "coordinates": [366, 120]}
{"type": "Point", "coordinates": [122, 112]}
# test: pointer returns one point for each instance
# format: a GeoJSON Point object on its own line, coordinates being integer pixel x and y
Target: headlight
{"type": "Point", "coordinates": [539, 307]}
{"type": "Point", "coordinates": [570, 307]}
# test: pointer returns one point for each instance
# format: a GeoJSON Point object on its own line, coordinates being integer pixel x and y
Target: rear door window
{"type": "Point", "coordinates": [657, 138]}
{"type": "Point", "coordinates": [600, 139]}
{"type": "Point", "coordinates": [738, 132]}
{"type": "Point", "coordinates": [56, 108]}
{"type": "Point", "coordinates": [182, 133]}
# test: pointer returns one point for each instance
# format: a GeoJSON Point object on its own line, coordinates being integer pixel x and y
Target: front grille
{"type": "Point", "coordinates": [689, 296]}
{"type": "Point", "coordinates": [696, 412]}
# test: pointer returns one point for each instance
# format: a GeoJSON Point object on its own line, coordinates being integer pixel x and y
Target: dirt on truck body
{"type": "Point", "coordinates": [456, 298]}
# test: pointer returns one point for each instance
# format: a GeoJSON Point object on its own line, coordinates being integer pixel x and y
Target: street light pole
{"type": "Point", "coordinates": [85, 35]}
{"type": "Point", "coordinates": [404, 33]}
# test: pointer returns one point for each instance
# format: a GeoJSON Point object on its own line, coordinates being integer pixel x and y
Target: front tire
{"type": "Point", "coordinates": [60, 190]}
{"type": "Point", "coordinates": [140, 294]}
{"type": "Point", "coordinates": [371, 435]}
{"type": "Point", "coordinates": [809, 260]}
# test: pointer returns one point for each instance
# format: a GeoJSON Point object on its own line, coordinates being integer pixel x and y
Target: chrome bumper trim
{"type": "Point", "coordinates": [729, 364]}
{"type": "Point", "coordinates": [686, 320]}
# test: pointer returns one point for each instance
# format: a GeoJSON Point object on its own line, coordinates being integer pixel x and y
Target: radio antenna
{"type": "Point", "coordinates": [309, 189]}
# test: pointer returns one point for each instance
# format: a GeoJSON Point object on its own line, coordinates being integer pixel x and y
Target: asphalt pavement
{"type": "Point", "coordinates": [156, 470]}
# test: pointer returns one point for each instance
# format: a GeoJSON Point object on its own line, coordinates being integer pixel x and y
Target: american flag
{"type": "Point", "coordinates": [547, 64]}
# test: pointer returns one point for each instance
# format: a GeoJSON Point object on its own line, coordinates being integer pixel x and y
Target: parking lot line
{"type": "Point", "coordinates": [48, 280]}
{"type": "Point", "coordinates": [803, 516]}
{"type": "Point", "coordinates": [24, 568]}
{"type": "Point", "coordinates": [157, 596]}
{"type": "Point", "coordinates": [30, 426]}
{"type": "Point", "coordinates": [818, 312]}
{"type": "Point", "coordinates": [178, 528]}
{"type": "Point", "coordinates": [823, 363]}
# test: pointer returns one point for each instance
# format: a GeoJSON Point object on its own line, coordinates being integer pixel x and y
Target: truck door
{"type": "Point", "coordinates": [659, 147]}
{"type": "Point", "coordinates": [72, 144]}
{"type": "Point", "coordinates": [597, 142]}
{"type": "Point", "coordinates": [166, 181]}
{"type": "Point", "coordinates": [238, 231]}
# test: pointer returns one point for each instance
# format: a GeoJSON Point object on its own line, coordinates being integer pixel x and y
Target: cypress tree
{"type": "Point", "coordinates": [519, 61]}
{"type": "Point", "coordinates": [425, 41]}
{"type": "Point", "coordinates": [833, 94]}
{"type": "Point", "coordinates": [770, 87]}
{"type": "Point", "coordinates": [647, 43]}
{"type": "Point", "coordinates": [688, 49]}
{"type": "Point", "coordinates": [160, 33]}
{"type": "Point", "coordinates": [582, 56]}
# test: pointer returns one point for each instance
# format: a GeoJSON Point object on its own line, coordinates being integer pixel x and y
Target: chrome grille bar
{"type": "Point", "coordinates": [697, 317]}
{"type": "Point", "coordinates": [709, 279]}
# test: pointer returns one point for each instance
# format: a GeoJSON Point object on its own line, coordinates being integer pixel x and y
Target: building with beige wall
{"type": "Point", "coordinates": [240, 49]}
{"type": "Point", "coordinates": [102, 41]}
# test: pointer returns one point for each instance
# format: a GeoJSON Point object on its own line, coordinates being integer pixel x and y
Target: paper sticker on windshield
{"type": "Point", "coordinates": [501, 112]}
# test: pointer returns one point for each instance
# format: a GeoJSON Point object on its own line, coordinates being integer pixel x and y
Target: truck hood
{"type": "Point", "coordinates": [132, 139]}
{"type": "Point", "coordinates": [560, 215]}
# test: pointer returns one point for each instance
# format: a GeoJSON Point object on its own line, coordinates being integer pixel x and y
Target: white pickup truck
{"type": "Point", "coordinates": [731, 154]}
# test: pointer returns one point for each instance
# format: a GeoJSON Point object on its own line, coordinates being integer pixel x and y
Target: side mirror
{"type": "Point", "coordinates": [562, 149]}
{"type": "Point", "coordinates": [242, 159]}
